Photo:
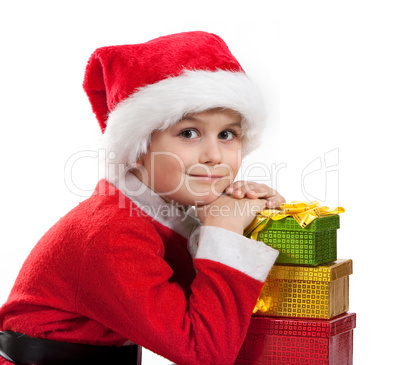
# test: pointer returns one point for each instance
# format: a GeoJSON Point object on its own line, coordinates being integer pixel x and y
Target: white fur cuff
{"type": "Point", "coordinates": [252, 258]}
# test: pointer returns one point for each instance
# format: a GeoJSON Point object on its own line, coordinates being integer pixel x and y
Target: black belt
{"type": "Point", "coordinates": [24, 350]}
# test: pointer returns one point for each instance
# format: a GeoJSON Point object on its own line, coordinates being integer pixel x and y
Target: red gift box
{"type": "Point", "coordinates": [289, 340]}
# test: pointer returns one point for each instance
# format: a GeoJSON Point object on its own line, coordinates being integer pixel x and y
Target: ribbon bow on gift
{"type": "Point", "coordinates": [303, 212]}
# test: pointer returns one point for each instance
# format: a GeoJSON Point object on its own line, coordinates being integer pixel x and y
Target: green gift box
{"type": "Point", "coordinates": [313, 245]}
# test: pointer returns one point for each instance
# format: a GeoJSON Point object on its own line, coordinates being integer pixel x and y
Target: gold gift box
{"type": "Point", "coordinates": [311, 292]}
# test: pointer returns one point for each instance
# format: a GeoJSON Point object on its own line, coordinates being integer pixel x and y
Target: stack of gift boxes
{"type": "Point", "coordinates": [302, 315]}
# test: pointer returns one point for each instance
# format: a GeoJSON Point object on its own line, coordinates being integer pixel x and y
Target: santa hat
{"type": "Point", "coordinates": [137, 89]}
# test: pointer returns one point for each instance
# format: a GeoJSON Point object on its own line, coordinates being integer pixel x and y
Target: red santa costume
{"type": "Point", "coordinates": [125, 265]}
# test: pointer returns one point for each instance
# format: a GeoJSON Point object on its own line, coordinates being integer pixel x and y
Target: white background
{"type": "Point", "coordinates": [331, 77]}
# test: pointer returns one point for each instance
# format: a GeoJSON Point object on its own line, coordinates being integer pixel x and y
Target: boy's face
{"type": "Point", "coordinates": [192, 162]}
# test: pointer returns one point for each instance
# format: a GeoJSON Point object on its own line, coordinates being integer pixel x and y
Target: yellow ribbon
{"type": "Point", "coordinates": [303, 212]}
{"type": "Point", "coordinates": [262, 306]}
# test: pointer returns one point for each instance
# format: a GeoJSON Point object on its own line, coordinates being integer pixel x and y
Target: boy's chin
{"type": "Point", "coordinates": [204, 200]}
{"type": "Point", "coordinates": [194, 200]}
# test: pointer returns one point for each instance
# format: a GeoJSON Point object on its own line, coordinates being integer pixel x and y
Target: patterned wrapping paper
{"type": "Point", "coordinates": [273, 340]}
{"type": "Point", "coordinates": [313, 245]}
{"type": "Point", "coordinates": [310, 292]}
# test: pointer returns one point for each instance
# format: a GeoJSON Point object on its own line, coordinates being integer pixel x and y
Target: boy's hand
{"type": "Point", "coordinates": [253, 190]}
{"type": "Point", "coordinates": [230, 213]}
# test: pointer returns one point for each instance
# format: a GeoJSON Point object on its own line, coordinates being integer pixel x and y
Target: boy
{"type": "Point", "coordinates": [133, 265]}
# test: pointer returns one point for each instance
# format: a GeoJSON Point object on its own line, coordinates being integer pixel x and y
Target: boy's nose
{"type": "Point", "coordinates": [210, 152]}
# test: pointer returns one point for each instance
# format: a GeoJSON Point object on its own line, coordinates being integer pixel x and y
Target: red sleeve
{"type": "Point", "coordinates": [125, 285]}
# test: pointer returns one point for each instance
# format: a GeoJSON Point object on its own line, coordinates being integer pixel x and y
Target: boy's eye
{"type": "Point", "coordinates": [189, 133]}
{"type": "Point", "coordinates": [227, 135]}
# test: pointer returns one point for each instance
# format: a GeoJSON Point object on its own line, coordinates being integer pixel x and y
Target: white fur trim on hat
{"type": "Point", "coordinates": [161, 105]}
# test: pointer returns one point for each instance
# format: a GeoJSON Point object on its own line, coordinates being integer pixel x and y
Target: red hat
{"type": "Point", "coordinates": [137, 89]}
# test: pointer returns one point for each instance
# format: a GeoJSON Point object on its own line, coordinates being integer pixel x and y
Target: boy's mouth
{"type": "Point", "coordinates": [206, 177]}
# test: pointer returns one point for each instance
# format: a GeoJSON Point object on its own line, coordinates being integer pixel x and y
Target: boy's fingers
{"type": "Point", "coordinates": [275, 201]}
{"type": "Point", "coordinates": [239, 184]}
{"type": "Point", "coordinates": [240, 189]}
{"type": "Point", "coordinates": [232, 188]}
{"type": "Point", "coordinates": [252, 190]}
{"type": "Point", "coordinates": [279, 199]}
{"type": "Point", "coordinates": [254, 195]}
{"type": "Point", "coordinates": [264, 189]}
{"type": "Point", "coordinates": [240, 193]}
{"type": "Point", "coordinates": [229, 190]}
{"type": "Point", "coordinates": [248, 185]}
{"type": "Point", "coordinates": [272, 204]}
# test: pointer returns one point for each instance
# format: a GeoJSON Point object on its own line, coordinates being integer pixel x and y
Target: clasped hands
{"type": "Point", "coordinates": [236, 209]}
